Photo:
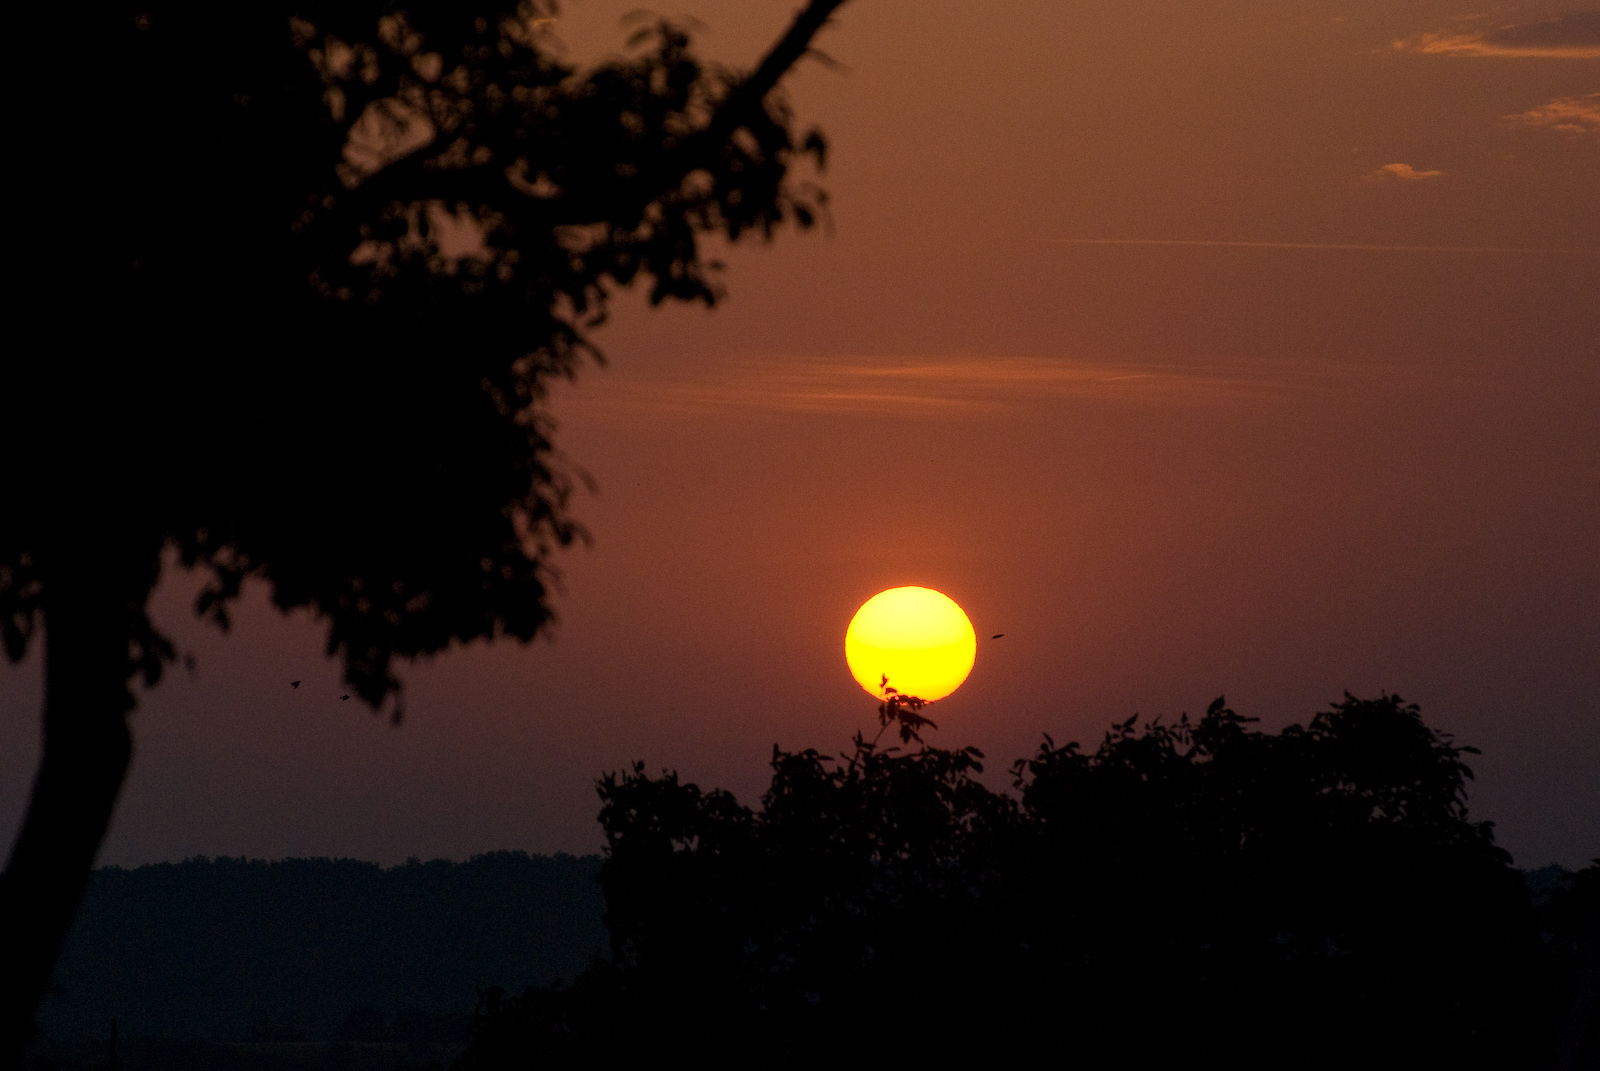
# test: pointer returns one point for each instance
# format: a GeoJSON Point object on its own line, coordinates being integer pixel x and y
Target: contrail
{"type": "Point", "coordinates": [1316, 245]}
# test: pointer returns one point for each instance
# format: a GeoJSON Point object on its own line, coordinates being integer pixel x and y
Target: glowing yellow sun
{"type": "Point", "coordinates": [917, 637]}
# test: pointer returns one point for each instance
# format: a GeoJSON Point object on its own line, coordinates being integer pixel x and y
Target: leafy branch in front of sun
{"type": "Point", "coordinates": [903, 711]}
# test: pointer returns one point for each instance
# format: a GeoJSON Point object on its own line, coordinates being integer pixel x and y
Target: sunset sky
{"type": "Point", "coordinates": [1199, 347]}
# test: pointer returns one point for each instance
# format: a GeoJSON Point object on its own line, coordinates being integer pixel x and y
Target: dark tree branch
{"type": "Point", "coordinates": [416, 177]}
{"type": "Point", "coordinates": [794, 44]}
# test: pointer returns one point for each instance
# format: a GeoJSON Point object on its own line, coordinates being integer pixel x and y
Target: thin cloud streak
{"type": "Point", "coordinates": [949, 387]}
{"type": "Point", "coordinates": [1355, 246]}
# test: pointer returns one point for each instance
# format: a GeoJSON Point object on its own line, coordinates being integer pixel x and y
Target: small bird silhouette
{"type": "Point", "coordinates": [344, 697]}
{"type": "Point", "coordinates": [997, 635]}
{"type": "Point", "coordinates": [294, 684]}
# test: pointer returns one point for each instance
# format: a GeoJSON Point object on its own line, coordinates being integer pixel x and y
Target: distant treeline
{"type": "Point", "coordinates": [319, 949]}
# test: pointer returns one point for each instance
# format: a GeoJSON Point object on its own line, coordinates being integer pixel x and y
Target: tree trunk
{"type": "Point", "coordinates": [87, 747]}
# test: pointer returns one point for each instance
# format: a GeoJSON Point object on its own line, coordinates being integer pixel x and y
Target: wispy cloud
{"type": "Point", "coordinates": [944, 387]}
{"type": "Point", "coordinates": [1574, 36]}
{"type": "Point", "coordinates": [1570, 115]}
{"type": "Point", "coordinates": [1404, 173]}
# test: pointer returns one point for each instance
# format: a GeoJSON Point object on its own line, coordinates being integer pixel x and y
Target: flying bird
{"type": "Point", "coordinates": [997, 635]}
{"type": "Point", "coordinates": [344, 697]}
{"type": "Point", "coordinates": [294, 684]}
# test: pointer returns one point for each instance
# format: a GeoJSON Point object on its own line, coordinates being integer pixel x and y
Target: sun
{"type": "Point", "coordinates": [916, 637]}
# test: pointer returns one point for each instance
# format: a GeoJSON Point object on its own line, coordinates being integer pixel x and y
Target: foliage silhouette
{"type": "Point", "coordinates": [904, 712]}
{"type": "Point", "coordinates": [303, 270]}
{"type": "Point", "coordinates": [1203, 891]}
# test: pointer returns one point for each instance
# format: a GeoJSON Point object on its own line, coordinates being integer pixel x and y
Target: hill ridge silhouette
{"type": "Point", "coordinates": [235, 949]}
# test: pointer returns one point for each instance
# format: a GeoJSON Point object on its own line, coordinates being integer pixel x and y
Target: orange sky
{"type": "Point", "coordinates": [1199, 347]}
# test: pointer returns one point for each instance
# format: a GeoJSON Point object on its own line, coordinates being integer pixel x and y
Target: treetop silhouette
{"type": "Point", "coordinates": [1316, 897]}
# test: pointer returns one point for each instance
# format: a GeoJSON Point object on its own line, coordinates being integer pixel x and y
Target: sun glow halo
{"type": "Point", "coordinates": [917, 637]}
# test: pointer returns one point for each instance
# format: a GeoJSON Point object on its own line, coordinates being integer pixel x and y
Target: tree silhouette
{"type": "Point", "coordinates": [1320, 891]}
{"type": "Point", "coordinates": [299, 275]}
{"type": "Point", "coordinates": [1197, 892]}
